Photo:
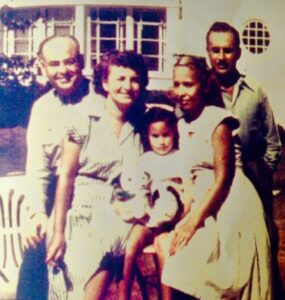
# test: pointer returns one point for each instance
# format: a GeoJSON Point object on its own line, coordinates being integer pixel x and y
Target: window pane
{"type": "Point", "coordinates": [259, 25]}
{"type": "Point", "coordinates": [61, 14]}
{"type": "Point", "coordinates": [252, 33]}
{"type": "Point", "coordinates": [108, 30]}
{"type": "Point", "coordinates": [251, 42]}
{"type": "Point", "coordinates": [93, 30]}
{"type": "Point", "coordinates": [93, 46]}
{"type": "Point", "coordinates": [62, 30]}
{"type": "Point", "coordinates": [150, 48]}
{"type": "Point", "coordinates": [154, 15]}
{"type": "Point", "coordinates": [107, 45]}
{"type": "Point", "coordinates": [252, 25]}
{"type": "Point", "coordinates": [152, 63]}
{"type": "Point", "coordinates": [109, 14]}
{"type": "Point", "coordinates": [150, 32]}
{"type": "Point", "coordinates": [21, 34]}
{"type": "Point", "coordinates": [93, 14]}
{"type": "Point", "coordinates": [21, 46]}
{"type": "Point", "coordinates": [123, 30]}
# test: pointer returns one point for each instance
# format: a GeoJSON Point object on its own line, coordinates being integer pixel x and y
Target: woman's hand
{"type": "Point", "coordinates": [56, 249]}
{"type": "Point", "coordinates": [183, 233]}
{"type": "Point", "coordinates": [35, 230]}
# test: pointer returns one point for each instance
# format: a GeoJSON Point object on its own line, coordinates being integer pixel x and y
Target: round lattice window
{"type": "Point", "coordinates": [255, 36]}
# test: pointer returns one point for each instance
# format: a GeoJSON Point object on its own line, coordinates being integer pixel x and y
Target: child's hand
{"type": "Point", "coordinates": [56, 249]}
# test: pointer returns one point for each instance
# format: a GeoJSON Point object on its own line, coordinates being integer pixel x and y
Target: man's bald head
{"type": "Point", "coordinates": [60, 60]}
{"type": "Point", "coordinates": [55, 42]}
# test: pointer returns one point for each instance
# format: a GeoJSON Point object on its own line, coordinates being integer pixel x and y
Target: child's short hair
{"type": "Point", "coordinates": [159, 113]}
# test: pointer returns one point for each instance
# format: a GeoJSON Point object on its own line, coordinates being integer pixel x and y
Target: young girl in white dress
{"type": "Point", "coordinates": [156, 188]}
{"type": "Point", "coordinates": [169, 172]}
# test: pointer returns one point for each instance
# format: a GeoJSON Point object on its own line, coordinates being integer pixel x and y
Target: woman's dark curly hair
{"type": "Point", "coordinates": [157, 114]}
{"type": "Point", "coordinates": [126, 59]}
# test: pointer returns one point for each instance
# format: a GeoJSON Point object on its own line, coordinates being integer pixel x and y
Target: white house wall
{"type": "Point", "coordinates": [187, 25]}
{"type": "Point", "coordinates": [267, 68]}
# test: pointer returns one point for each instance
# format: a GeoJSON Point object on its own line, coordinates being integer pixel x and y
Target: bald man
{"type": "Point", "coordinates": [60, 60]}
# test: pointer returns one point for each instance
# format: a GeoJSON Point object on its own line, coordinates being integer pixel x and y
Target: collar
{"type": "Point", "coordinates": [99, 111]}
{"type": "Point", "coordinates": [241, 84]}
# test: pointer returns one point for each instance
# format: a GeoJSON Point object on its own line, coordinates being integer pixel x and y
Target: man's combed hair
{"type": "Point", "coordinates": [224, 27]}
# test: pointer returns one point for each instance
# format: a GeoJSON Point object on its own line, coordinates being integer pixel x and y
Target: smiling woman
{"type": "Point", "coordinates": [122, 85]}
{"type": "Point", "coordinates": [222, 243]}
{"type": "Point", "coordinates": [95, 148]}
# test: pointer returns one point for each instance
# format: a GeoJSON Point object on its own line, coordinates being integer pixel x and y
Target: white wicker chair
{"type": "Point", "coordinates": [12, 201]}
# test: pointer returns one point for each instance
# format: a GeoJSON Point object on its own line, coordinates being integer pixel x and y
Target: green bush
{"type": "Point", "coordinates": [18, 90]}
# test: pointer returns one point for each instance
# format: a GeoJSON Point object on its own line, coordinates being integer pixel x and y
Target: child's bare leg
{"type": "Point", "coordinates": [97, 286]}
{"type": "Point", "coordinates": [160, 246]}
{"type": "Point", "coordinates": [139, 238]}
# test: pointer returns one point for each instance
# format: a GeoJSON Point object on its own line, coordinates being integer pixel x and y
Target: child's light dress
{"type": "Point", "coordinates": [170, 170]}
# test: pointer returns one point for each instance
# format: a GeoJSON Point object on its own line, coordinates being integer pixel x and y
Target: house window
{"type": "Point", "coordinates": [149, 36]}
{"type": "Point", "coordinates": [44, 22]}
{"type": "Point", "coordinates": [255, 36]}
{"type": "Point", "coordinates": [2, 38]}
{"type": "Point", "coordinates": [60, 21]}
{"type": "Point", "coordinates": [23, 42]}
{"type": "Point", "coordinates": [141, 30]}
{"type": "Point", "coordinates": [19, 33]}
{"type": "Point", "coordinates": [108, 31]}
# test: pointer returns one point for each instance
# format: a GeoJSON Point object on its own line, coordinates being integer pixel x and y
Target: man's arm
{"type": "Point", "coordinates": [273, 150]}
{"type": "Point", "coordinates": [37, 177]}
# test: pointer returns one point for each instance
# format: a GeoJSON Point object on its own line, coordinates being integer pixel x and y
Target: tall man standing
{"type": "Point", "coordinates": [258, 134]}
{"type": "Point", "coordinates": [60, 60]}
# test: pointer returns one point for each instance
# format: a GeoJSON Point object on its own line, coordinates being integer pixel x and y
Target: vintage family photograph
{"type": "Point", "coordinates": [142, 150]}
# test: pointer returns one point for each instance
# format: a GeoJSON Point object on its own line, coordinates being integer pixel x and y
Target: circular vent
{"type": "Point", "coordinates": [255, 36]}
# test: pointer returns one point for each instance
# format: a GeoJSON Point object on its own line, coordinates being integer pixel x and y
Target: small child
{"type": "Point", "coordinates": [162, 160]}
{"type": "Point", "coordinates": [157, 187]}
